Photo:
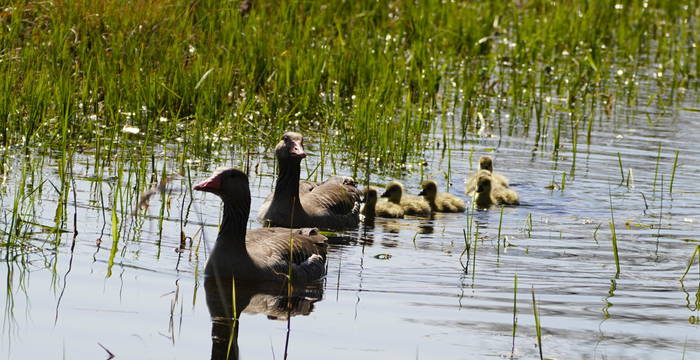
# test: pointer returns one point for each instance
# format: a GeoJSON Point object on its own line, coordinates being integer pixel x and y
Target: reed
{"type": "Point", "coordinates": [696, 254]}
{"type": "Point", "coordinates": [673, 173]}
{"type": "Point", "coordinates": [528, 225]}
{"type": "Point", "coordinates": [563, 181]}
{"type": "Point", "coordinates": [498, 237]}
{"type": "Point", "coordinates": [656, 169]}
{"type": "Point", "coordinates": [476, 240]}
{"type": "Point", "coordinates": [208, 72]}
{"type": "Point", "coordinates": [622, 170]}
{"type": "Point", "coordinates": [515, 314]}
{"type": "Point", "coordinates": [467, 249]}
{"type": "Point", "coordinates": [614, 237]}
{"type": "Point", "coordinates": [538, 326]}
{"type": "Point", "coordinates": [234, 322]}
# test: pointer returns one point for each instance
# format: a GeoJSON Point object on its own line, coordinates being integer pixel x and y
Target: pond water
{"type": "Point", "coordinates": [150, 301]}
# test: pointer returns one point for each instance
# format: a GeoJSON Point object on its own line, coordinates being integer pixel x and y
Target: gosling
{"type": "Point", "coordinates": [441, 202]}
{"type": "Point", "coordinates": [369, 204]}
{"type": "Point", "coordinates": [411, 204]}
{"type": "Point", "coordinates": [488, 192]}
{"type": "Point", "coordinates": [372, 208]}
{"type": "Point", "coordinates": [485, 163]}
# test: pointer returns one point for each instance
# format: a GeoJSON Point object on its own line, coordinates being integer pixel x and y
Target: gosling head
{"type": "Point", "coordinates": [429, 190]}
{"type": "Point", "coordinates": [230, 184]}
{"type": "Point", "coordinates": [290, 147]}
{"type": "Point", "coordinates": [486, 163]}
{"type": "Point", "coordinates": [483, 182]}
{"type": "Point", "coordinates": [370, 196]}
{"type": "Point", "coordinates": [393, 191]}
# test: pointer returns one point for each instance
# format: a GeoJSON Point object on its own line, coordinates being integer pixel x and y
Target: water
{"type": "Point", "coordinates": [417, 303]}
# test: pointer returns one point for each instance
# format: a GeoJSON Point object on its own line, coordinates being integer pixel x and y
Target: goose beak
{"type": "Point", "coordinates": [211, 185]}
{"type": "Point", "coordinates": [297, 150]}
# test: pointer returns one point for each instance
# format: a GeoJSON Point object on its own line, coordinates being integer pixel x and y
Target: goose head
{"type": "Point", "coordinates": [486, 163]}
{"type": "Point", "coordinates": [370, 196]}
{"type": "Point", "coordinates": [394, 191]}
{"type": "Point", "coordinates": [230, 184]}
{"type": "Point", "coordinates": [290, 147]}
{"type": "Point", "coordinates": [429, 190]}
{"type": "Point", "coordinates": [483, 182]}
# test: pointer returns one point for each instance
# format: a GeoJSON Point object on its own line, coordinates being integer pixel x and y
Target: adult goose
{"type": "Point", "coordinates": [333, 204]}
{"type": "Point", "coordinates": [485, 163]}
{"type": "Point", "coordinates": [260, 254]}
{"type": "Point", "coordinates": [489, 192]}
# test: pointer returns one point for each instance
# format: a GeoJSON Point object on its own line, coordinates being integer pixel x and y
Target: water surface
{"type": "Point", "coordinates": [419, 302]}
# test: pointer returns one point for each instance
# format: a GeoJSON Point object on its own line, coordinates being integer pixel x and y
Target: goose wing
{"type": "Point", "coordinates": [337, 195]}
{"type": "Point", "coordinates": [276, 248]}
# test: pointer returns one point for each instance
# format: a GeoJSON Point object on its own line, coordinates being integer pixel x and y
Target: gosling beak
{"type": "Point", "coordinates": [385, 194]}
{"type": "Point", "coordinates": [212, 185]}
{"type": "Point", "coordinates": [479, 188]}
{"type": "Point", "coordinates": [297, 150]}
{"type": "Point", "coordinates": [421, 193]}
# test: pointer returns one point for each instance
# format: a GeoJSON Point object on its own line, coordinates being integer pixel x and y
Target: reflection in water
{"type": "Point", "coordinates": [271, 299]}
{"type": "Point", "coordinates": [426, 227]}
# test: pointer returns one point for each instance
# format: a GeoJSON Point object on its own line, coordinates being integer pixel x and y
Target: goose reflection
{"type": "Point", "coordinates": [270, 299]}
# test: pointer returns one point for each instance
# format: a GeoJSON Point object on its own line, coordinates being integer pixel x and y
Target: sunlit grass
{"type": "Point", "coordinates": [370, 73]}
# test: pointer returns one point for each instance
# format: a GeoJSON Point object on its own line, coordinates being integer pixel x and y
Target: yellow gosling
{"type": "Point", "coordinates": [411, 204]}
{"type": "Point", "coordinates": [390, 208]}
{"type": "Point", "coordinates": [485, 163]}
{"type": "Point", "coordinates": [488, 192]}
{"type": "Point", "coordinates": [441, 202]}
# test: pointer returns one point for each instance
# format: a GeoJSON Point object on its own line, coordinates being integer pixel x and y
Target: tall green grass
{"type": "Point", "coordinates": [370, 74]}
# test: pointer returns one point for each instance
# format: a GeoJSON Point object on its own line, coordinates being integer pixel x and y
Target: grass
{"type": "Point", "coordinates": [622, 170]}
{"type": "Point", "coordinates": [234, 322]}
{"type": "Point", "coordinates": [656, 169]}
{"type": "Point", "coordinates": [498, 237]}
{"type": "Point", "coordinates": [143, 90]}
{"type": "Point", "coordinates": [369, 71]}
{"type": "Point", "coordinates": [613, 236]}
{"type": "Point", "coordinates": [515, 313]}
{"type": "Point", "coordinates": [673, 173]}
{"type": "Point", "coordinates": [696, 254]}
{"type": "Point", "coordinates": [538, 327]}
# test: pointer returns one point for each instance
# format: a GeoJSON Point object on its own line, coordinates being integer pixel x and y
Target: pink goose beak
{"type": "Point", "coordinates": [297, 151]}
{"type": "Point", "coordinates": [211, 184]}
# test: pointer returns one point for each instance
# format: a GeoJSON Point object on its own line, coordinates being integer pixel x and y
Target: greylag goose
{"type": "Point", "coordinates": [441, 202]}
{"type": "Point", "coordinates": [489, 192]}
{"type": "Point", "coordinates": [485, 163]}
{"type": "Point", "coordinates": [260, 254]}
{"type": "Point", "coordinates": [411, 204]}
{"type": "Point", "coordinates": [333, 204]}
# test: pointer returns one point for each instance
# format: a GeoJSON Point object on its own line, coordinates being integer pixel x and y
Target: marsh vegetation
{"type": "Point", "coordinates": [590, 107]}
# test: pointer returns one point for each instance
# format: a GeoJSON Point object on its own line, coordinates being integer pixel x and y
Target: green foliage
{"type": "Point", "coordinates": [375, 73]}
